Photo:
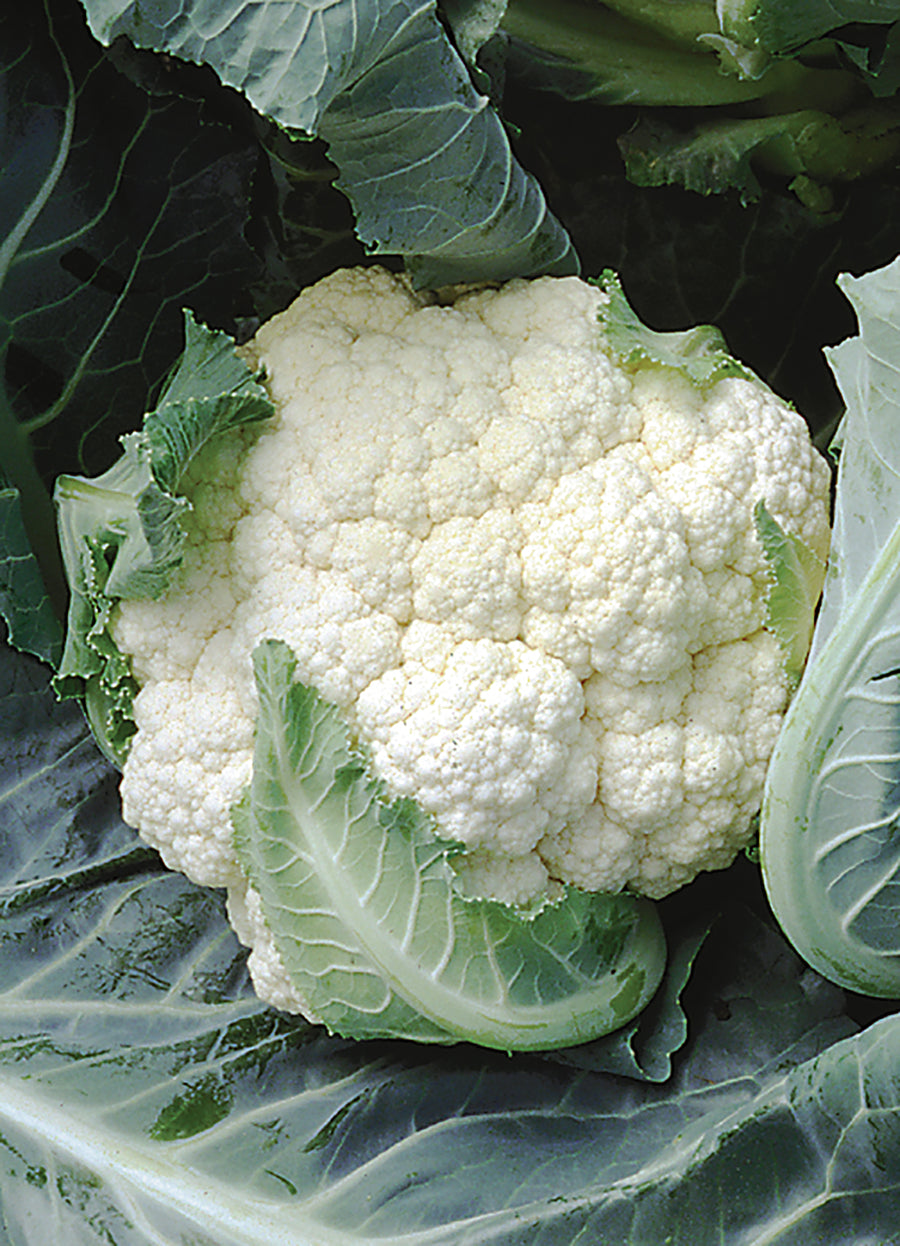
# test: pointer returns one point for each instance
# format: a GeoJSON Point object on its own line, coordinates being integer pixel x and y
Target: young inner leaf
{"type": "Point", "coordinates": [360, 899]}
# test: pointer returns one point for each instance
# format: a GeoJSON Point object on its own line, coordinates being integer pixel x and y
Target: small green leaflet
{"type": "Point", "coordinates": [797, 576]}
{"type": "Point", "coordinates": [121, 534]}
{"type": "Point", "coordinates": [359, 896]}
{"type": "Point", "coordinates": [700, 352]}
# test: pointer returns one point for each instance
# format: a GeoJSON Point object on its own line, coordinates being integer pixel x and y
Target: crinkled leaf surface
{"type": "Point", "coordinates": [831, 816]}
{"type": "Point", "coordinates": [422, 157]}
{"type": "Point", "coordinates": [700, 353]}
{"type": "Point", "coordinates": [146, 1096]}
{"type": "Point", "coordinates": [121, 533]}
{"type": "Point", "coordinates": [808, 146]}
{"type": "Point", "coordinates": [713, 158]}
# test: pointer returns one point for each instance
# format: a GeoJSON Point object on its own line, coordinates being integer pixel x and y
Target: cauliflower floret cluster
{"type": "Point", "coordinates": [527, 572]}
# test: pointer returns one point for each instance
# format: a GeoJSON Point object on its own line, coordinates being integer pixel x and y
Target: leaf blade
{"type": "Point", "coordinates": [797, 576]}
{"type": "Point", "coordinates": [24, 603]}
{"type": "Point", "coordinates": [829, 842]}
{"type": "Point", "coordinates": [360, 900]}
{"type": "Point", "coordinates": [151, 1097]}
{"type": "Point", "coordinates": [423, 158]}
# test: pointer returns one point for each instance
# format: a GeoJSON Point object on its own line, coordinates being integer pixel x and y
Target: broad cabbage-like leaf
{"type": "Point", "coordinates": [359, 896]}
{"type": "Point", "coordinates": [423, 158]}
{"type": "Point", "coordinates": [146, 1095]}
{"type": "Point", "coordinates": [829, 831]}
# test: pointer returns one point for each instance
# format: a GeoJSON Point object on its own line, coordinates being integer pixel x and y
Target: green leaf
{"type": "Point", "coordinates": [875, 52]}
{"type": "Point", "coordinates": [210, 391]}
{"type": "Point", "coordinates": [473, 23]}
{"type": "Point", "coordinates": [588, 52]}
{"type": "Point", "coordinates": [359, 896]}
{"type": "Point", "coordinates": [797, 576]}
{"type": "Point", "coordinates": [803, 145]}
{"type": "Point", "coordinates": [700, 352]}
{"type": "Point", "coordinates": [783, 26]}
{"type": "Point", "coordinates": [646, 1047]}
{"type": "Point", "coordinates": [710, 159]}
{"type": "Point", "coordinates": [104, 194]}
{"type": "Point", "coordinates": [146, 1095]}
{"type": "Point", "coordinates": [829, 831]}
{"type": "Point", "coordinates": [24, 603]}
{"type": "Point", "coordinates": [423, 159]}
{"type": "Point", "coordinates": [121, 533]}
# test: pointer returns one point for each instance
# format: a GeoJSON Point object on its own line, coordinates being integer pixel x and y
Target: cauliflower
{"type": "Point", "coordinates": [522, 562]}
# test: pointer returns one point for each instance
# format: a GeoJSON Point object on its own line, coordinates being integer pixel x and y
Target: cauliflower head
{"type": "Point", "coordinates": [522, 563]}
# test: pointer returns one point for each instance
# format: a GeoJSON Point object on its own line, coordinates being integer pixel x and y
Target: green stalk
{"type": "Point", "coordinates": [830, 149]}
{"type": "Point", "coordinates": [681, 21]}
{"type": "Point", "coordinates": [653, 61]}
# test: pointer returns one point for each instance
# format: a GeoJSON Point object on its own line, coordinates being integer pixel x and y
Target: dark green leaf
{"type": "Point", "coordinates": [147, 1096]}
{"type": "Point", "coordinates": [807, 148]}
{"type": "Point", "coordinates": [782, 26]}
{"type": "Point", "coordinates": [24, 603]}
{"type": "Point", "coordinates": [116, 210]}
{"type": "Point", "coordinates": [875, 52]}
{"type": "Point", "coordinates": [423, 159]}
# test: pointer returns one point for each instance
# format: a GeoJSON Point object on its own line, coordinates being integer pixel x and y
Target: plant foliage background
{"type": "Point", "coordinates": [146, 1098]}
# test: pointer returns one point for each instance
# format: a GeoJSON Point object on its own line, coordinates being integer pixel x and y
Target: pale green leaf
{"type": "Point", "coordinates": [121, 533]}
{"type": "Point", "coordinates": [830, 829]}
{"type": "Point", "coordinates": [797, 575]}
{"type": "Point", "coordinates": [700, 353]}
{"type": "Point", "coordinates": [360, 899]}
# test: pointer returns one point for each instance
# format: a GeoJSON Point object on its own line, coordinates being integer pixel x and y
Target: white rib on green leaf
{"type": "Point", "coordinates": [422, 156]}
{"type": "Point", "coordinates": [830, 829]}
{"type": "Point", "coordinates": [359, 896]}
